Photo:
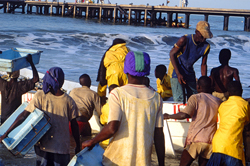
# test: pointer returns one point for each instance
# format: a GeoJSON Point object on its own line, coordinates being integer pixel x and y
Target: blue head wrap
{"type": "Point", "coordinates": [137, 64]}
{"type": "Point", "coordinates": [53, 79]}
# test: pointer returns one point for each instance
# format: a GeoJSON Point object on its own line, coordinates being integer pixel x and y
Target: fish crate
{"type": "Point", "coordinates": [88, 157]}
{"type": "Point", "coordinates": [20, 140]}
{"type": "Point", "coordinates": [15, 59]}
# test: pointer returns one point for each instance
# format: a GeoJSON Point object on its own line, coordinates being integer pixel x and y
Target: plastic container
{"type": "Point", "coordinates": [88, 157]}
{"type": "Point", "coordinates": [15, 59]}
{"type": "Point", "coordinates": [25, 136]}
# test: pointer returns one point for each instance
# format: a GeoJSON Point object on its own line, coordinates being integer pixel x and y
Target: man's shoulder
{"type": "Point", "coordinates": [207, 97]}
{"type": "Point", "coordinates": [82, 89]}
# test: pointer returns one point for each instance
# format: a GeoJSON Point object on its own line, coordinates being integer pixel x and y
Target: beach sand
{"type": "Point", "coordinates": [7, 159]}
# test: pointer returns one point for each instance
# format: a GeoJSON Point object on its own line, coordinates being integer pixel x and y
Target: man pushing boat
{"type": "Point", "coordinates": [203, 109]}
{"type": "Point", "coordinates": [135, 118]}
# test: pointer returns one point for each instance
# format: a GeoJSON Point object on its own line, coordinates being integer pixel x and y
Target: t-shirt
{"type": "Point", "coordinates": [234, 115]}
{"type": "Point", "coordinates": [61, 110]}
{"type": "Point", "coordinates": [164, 87]}
{"type": "Point", "coordinates": [12, 96]}
{"type": "Point", "coordinates": [86, 101]}
{"type": "Point", "coordinates": [203, 108]}
{"type": "Point", "coordinates": [139, 111]}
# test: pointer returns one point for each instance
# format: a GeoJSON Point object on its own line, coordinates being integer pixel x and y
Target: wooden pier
{"type": "Point", "coordinates": [129, 14]}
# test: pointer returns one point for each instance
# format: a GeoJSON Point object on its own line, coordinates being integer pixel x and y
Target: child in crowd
{"type": "Point", "coordinates": [146, 82]}
{"type": "Point", "coordinates": [105, 114]}
{"type": "Point", "coordinates": [163, 82]}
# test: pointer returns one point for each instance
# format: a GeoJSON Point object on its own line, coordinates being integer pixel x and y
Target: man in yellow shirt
{"type": "Point", "coordinates": [163, 82]}
{"type": "Point", "coordinates": [227, 143]}
{"type": "Point", "coordinates": [111, 66]}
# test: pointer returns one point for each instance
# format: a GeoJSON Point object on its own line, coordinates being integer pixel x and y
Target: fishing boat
{"type": "Point", "coordinates": [177, 129]}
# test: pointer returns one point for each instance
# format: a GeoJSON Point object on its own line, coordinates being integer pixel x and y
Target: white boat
{"type": "Point", "coordinates": [175, 130]}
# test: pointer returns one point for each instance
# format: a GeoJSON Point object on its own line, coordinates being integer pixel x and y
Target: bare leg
{"type": "Point", "coordinates": [202, 161]}
{"type": "Point", "coordinates": [186, 159]}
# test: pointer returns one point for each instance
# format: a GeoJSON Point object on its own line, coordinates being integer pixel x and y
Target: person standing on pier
{"type": "Point", "coordinates": [186, 51]}
{"type": "Point", "coordinates": [135, 118]}
{"type": "Point", "coordinates": [12, 90]}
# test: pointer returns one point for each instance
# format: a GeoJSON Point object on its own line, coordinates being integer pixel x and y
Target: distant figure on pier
{"type": "Point", "coordinates": [186, 51]}
{"type": "Point", "coordinates": [223, 74]}
{"type": "Point", "coordinates": [185, 3]}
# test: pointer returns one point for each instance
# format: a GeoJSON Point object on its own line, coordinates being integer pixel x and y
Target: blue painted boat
{"type": "Point", "coordinates": [15, 59]}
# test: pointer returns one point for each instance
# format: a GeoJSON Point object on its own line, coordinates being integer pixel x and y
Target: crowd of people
{"type": "Point", "coordinates": [132, 115]}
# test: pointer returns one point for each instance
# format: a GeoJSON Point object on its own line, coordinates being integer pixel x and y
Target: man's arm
{"type": "Point", "coordinates": [76, 135]}
{"type": "Point", "coordinates": [19, 120]}
{"type": "Point", "coordinates": [173, 57]}
{"type": "Point", "coordinates": [204, 64]}
{"type": "Point", "coordinates": [179, 116]}
{"type": "Point", "coordinates": [159, 145]}
{"type": "Point", "coordinates": [35, 74]}
{"type": "Point", "coordinates": [236, 75]}
{"type": "Point", "coordinates": [108, 131]}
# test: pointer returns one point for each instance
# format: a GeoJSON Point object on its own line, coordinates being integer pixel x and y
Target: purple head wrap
{"type": "Point", "coordinates": [137, 64]}
{"type": "Point", "coordinates": [53, 79]}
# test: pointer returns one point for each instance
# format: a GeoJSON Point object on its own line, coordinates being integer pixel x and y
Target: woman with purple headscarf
{"type": "Point", "coordinates": [54, 146]}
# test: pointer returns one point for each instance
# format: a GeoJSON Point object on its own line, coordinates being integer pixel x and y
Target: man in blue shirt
{"type": "Point", "coordinates": [186, 51]}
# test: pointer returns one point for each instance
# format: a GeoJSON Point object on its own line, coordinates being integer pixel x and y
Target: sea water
{"type": "Point", "coordinates": [77, 45]}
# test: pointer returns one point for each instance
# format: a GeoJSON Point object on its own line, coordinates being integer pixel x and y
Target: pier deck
{"type": "Point", "coordinates": [129, 14]}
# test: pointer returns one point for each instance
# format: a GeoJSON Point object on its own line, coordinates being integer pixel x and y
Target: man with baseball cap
{"type": "Point", "coordinates": [135, 118]}
{"type": "Point", "coordinates": [186, 51]}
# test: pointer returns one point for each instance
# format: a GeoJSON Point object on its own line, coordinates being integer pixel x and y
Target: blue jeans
{"type": "Point", "coordinates": [177, 89]}
{"type": "Point", "coordinates": [218, 159]}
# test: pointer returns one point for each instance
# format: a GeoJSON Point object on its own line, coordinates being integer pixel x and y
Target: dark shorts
{"type": "Point", "coordinates": [218, 159]}
{"type": "Point", "coordinates": [50, 159]}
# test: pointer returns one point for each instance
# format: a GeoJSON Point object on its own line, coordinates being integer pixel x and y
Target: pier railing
{"type": "Point", "coordinates": [129, 14]}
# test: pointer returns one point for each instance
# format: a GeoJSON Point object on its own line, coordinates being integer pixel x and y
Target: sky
{"type": "Point", "coordinates": [225, 4]}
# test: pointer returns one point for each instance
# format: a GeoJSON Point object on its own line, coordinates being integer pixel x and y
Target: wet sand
{"type": "Point", "coordinates": [7, 159]}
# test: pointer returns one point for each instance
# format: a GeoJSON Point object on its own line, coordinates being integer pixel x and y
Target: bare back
{"type": "Point", "coordinates": [222, 75]}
